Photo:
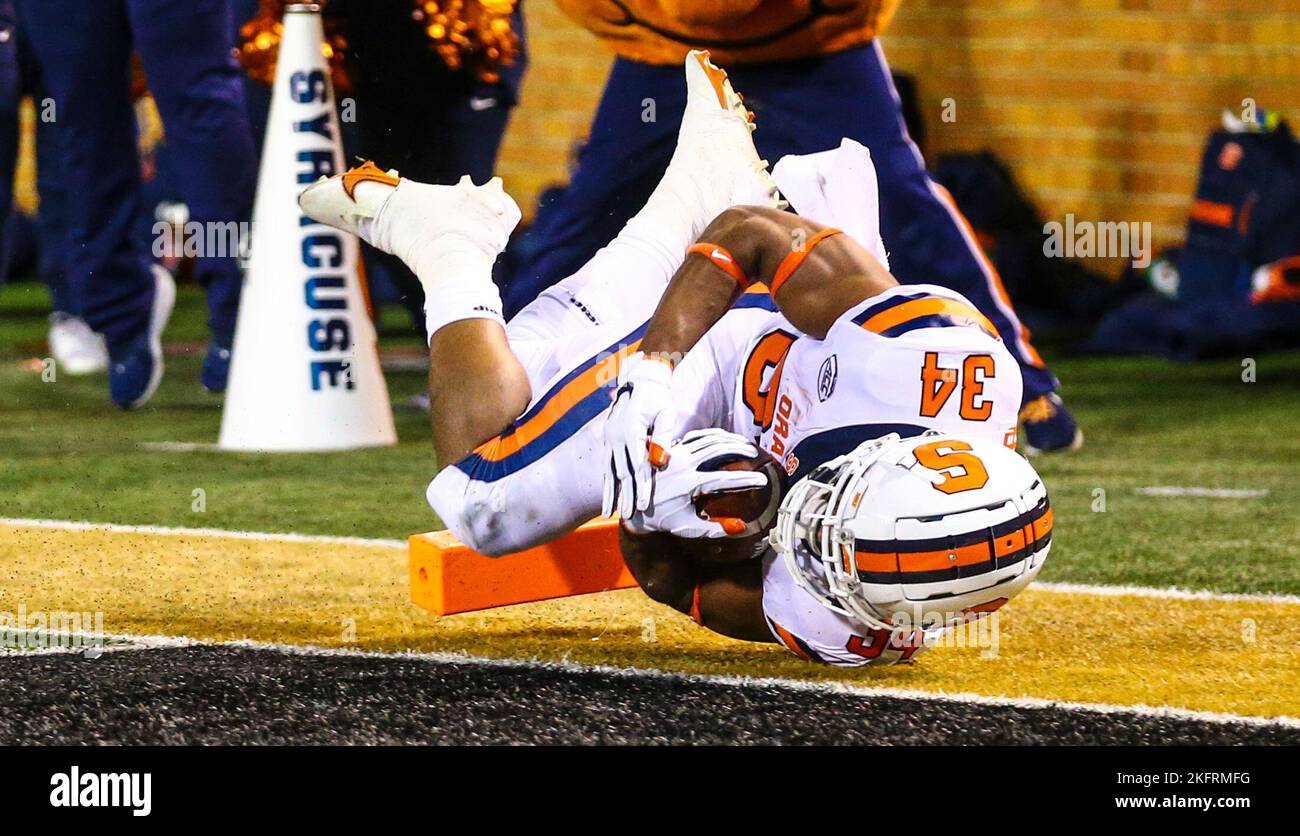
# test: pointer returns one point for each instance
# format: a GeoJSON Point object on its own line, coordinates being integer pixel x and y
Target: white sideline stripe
{"type": "Point", "coordinates": [1032, 703]}
{"type": "Point", "coordinates": [124, 642]}
{"type": "Point", "coordinates": [1171, 592]}
{"type": "Point", "coordinates": [266, 536]}
{"type": "Point", "coordinates": [271, 537]}
{"type": "Point", "coordinates": [1213, 493]}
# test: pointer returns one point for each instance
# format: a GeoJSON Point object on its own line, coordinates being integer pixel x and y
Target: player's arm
{"type": "Point", "coordinates": [726, 598]}
{"type": "Point", "coordinates": [816, 275]}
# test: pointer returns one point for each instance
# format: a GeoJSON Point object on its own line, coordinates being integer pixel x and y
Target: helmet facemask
{"type": "Point", "coordinates": [812, 515]}
{"type": "Point", "coordinates": [995, 538]}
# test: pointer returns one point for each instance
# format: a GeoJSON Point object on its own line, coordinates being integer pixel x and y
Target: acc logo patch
{"type": "Point", "coordinates": [830, 372]}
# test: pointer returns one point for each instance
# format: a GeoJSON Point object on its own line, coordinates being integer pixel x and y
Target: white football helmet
{"type": "Point", "coordinates": [923, 532]}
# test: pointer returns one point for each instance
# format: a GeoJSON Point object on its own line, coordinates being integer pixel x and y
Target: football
{"type": "Point", "coordinates": [755, 506]}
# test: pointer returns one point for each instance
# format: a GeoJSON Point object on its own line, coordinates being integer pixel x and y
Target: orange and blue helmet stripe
{"type": "Point", "coordinates": [961, 556]}
{"type": "Point", "coordinates": [952, 558]}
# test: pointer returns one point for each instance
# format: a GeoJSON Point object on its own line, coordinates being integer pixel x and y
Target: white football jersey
{"type": "Point", "coordinates": [912, 359]}
{"type": "Point", "coordinates": [812, 631]}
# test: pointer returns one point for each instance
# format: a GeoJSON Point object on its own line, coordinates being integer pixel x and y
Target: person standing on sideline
{"type": "Point", "coordinates": [431, 121]}
{"type": "Point", "coordinates": [186, 50]}
{"type": "Point", "coordinates": [75, 348]}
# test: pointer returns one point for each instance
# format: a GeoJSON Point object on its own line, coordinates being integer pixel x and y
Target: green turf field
{"type": "Point", "coordinates": [67, 453]}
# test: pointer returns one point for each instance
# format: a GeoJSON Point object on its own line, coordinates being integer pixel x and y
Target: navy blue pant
{"type": "Point", "coordinates": [10, 96]}
{"type": "Point", "coordinates": [20, 76]}
{"type": "Point", "coordinates": [84, 50]}
{"type": "Point", "coordinates": [801, 107]}
{"type": "Point", "coordinates": [415, 114]}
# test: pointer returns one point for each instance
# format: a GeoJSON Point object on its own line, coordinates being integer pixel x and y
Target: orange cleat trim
{"type": "Point", "coordinates": [717, 77]}
{"type": "Point", "coordinates": [367, 172]}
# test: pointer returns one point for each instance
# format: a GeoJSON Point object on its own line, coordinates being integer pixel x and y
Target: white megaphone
{"type": "Point", "coordinates": [305, 369]}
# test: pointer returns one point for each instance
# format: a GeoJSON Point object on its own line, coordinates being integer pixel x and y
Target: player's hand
{"type": "Point", "coordinates": [684, 478]}
{"type": "Point", "coordinates": [642, 404]}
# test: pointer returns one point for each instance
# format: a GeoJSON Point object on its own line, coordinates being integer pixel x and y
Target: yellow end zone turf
{"type": "Point", "coordinates": [1239, 657]}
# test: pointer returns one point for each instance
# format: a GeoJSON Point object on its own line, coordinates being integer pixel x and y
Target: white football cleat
{"type": "Point", "coordinates": [401, 216]}
{"type": "Point", "coordinates": [715, 161]}
{"type": "Point", "coordinates": [76, 349]}
{"type": "Point", "coordinates": [350, 201]}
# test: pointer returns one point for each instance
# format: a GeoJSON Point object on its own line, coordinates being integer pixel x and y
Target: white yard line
{"type": "Point", "coordinates": [265, 536]}
{"type": "Point", "coordinates": [90, 645]}
{"type": "Point", "coordinates": [1211, 493]}
{"type": "Point", "coordinates": [1166, 592]}
{"type": "Point", "coordinates": [145, 642]}
{"type": "Point", "coordinates": [274, 537]}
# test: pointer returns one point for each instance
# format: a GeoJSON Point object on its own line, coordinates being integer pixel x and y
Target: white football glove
{"type": "Point", "coordinates": [681, 480]}
{"type": "Point", "coordinates": [642, 403]}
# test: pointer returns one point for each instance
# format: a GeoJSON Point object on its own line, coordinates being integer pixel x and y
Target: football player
{"type": "Point", "coordinates": [830, 355]}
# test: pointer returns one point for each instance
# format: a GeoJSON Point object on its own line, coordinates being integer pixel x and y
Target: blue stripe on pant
{"type": "Point", "coordinates": [84, 50]}
{"type": "Point", "coordinates": [801, 107]}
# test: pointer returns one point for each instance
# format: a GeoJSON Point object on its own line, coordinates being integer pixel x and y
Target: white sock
{"type": "Point", "coordinates": [668, 223]}
{"type": "Point", "coordinates": [457, 278]}
{"type": "Point", "coordinates": [454, 268]}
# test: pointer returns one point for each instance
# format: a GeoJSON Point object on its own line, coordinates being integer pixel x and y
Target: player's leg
{"type": "Point", "coordinates": [713, 167]}
{"type": "Point", "coordinates": [84, 51]}
{"type": "Point", "coordinates": [473, 355]}
{"type": "Point", "coordinates": [540, 476]}
{"type": "Point", "coordinates": [619, 165]}
{"type": "Point", "coordinates": [395, 120]}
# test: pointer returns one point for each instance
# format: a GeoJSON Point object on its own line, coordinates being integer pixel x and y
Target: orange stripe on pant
{"type": "Point", "coordinates": [791, 643]}
{"type": "Point", "coordinates": [498, 448]}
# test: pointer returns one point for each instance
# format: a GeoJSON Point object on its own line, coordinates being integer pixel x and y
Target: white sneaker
{"type": "Point", "coordinates": [401, 216]}
{"type": "Point", "coordinates": [715, 165]}
{"type": "Point", "coordinates": [76, 349]}
{"type": "Point", "coordinates": [351, 200]}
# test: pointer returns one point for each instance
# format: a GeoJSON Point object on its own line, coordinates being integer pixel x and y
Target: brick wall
{"type": "Point", "coordinates": [566, 74]}
{"type": "Point", "coordinates": [1100, 106]}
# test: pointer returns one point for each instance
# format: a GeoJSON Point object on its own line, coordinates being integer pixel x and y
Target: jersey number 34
{"type": "Point", "coordinates": [938, 384]}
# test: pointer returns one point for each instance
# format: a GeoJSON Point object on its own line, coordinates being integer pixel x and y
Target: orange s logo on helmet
{"type": "Point", "coordinates": [948, 455]}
